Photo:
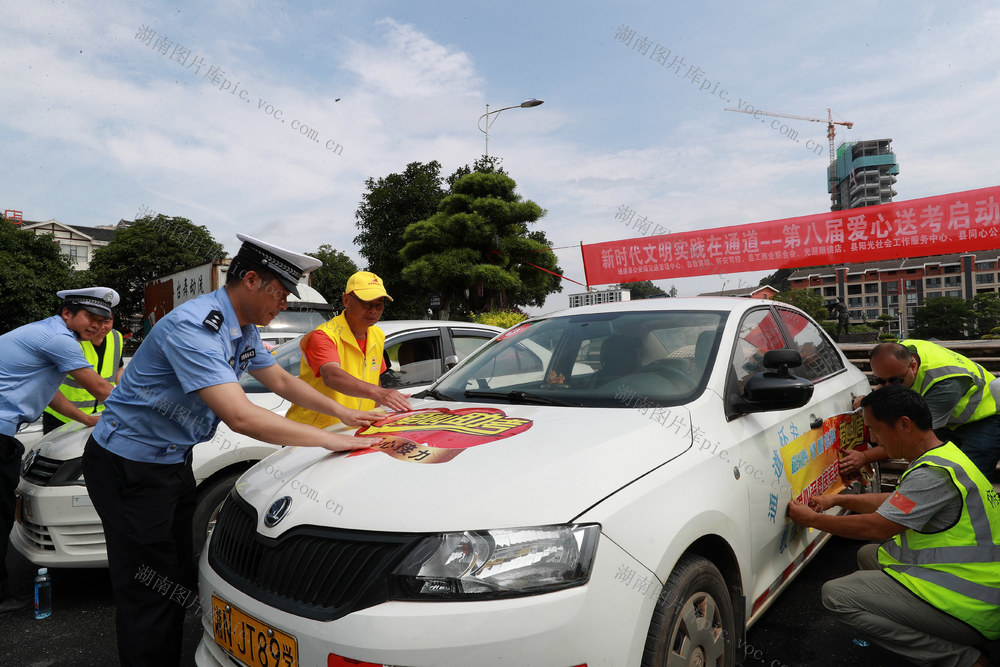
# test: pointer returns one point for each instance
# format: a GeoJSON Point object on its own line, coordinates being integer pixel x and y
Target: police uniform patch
{"type": "Point", "coordinates": [245, 358]}
{"type": "Point", "coordinates": [214, 320]}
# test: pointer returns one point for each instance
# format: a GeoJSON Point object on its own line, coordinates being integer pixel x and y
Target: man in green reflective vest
{"type": "Point", "coordinates": [962, 397]}
{"type": "Point", "coordinates": [931, 591]}
{"type": "Point", "coordinates": [73, 402]}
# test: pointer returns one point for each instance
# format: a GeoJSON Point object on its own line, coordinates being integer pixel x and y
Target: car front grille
{"type": "Point", "coordinates": [312, 571]}
{"type": "Point", "coordinates": [41, 470]}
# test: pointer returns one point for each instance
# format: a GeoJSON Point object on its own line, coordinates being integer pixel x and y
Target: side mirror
{"type": "Point", "coordinates": [775, 388]}
{"type": "Point", "coordinates": [450, 361]}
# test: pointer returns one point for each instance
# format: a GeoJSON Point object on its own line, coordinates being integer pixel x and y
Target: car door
{"type": "Point", "coordinates": [466, 341]}
{"type": "Point", "coordinates": [776, 543]}
{"type": "Point", "coordinates": [413, 360]}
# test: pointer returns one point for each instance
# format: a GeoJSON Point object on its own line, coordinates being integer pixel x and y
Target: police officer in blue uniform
{"type": "Point", "coordinates": [34, 361]}
{"type": "Point", "coordinates": [182, 381]}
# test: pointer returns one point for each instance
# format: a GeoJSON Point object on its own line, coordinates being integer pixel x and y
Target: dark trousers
{"type": "Point", "coordinates": [50, 423]}
{"type": "Point", "coordinates": [11, 451]}
{"type": "Point", "coordinates": [146, 509]}
{"type": "Point", "coordinates": [980, 441]}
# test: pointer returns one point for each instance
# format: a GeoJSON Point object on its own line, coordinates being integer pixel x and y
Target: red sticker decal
{"type": "Point", "coordinates": [437, 435]}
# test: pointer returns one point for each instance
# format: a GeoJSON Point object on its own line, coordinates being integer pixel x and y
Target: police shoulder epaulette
{"type": "Point", "coordinates": [214, 320]}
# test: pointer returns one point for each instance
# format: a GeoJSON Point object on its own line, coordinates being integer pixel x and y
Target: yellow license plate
{"type": "Point", "coordinates": [251, 641]}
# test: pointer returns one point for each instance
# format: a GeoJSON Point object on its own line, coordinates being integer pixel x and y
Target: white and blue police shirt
{"type": "Point", "coordinates": [155, 414]}
{"type": "Point", "coordinates": [34, 361]}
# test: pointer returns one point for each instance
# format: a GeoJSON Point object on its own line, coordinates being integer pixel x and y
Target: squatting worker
{"type": "Point", "coordinates": [36, 358]}
{"type": "Point", "coordinates": [343, 357]}
{"type": "Point", "coordinates": [931, 591]}
{"type": "Point", "coordinates": [961, 394]}
{"type": "Point", "coordinates": [182, 380]}
{"type": "Point", "coordinates": [73, 402]}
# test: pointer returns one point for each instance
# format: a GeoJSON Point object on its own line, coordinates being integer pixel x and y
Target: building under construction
{"type": "Point", "coordinates": [863, 174]}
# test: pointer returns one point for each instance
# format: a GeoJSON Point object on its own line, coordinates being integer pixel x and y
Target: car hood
{"type": "Point", "coordinates": [461, 466]}
{"type": "Point", "coordinates": [69, 440]}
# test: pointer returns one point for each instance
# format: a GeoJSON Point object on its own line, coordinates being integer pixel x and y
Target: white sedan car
{"type": "Point", "coordinates": [57, 523]}
{"type": "Point", "coordinates": [603, 486]}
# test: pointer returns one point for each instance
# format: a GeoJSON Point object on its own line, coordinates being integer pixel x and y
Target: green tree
{"type": "Point", "coordinates": [331, 278]}
{"type": "Point", "coordinates": [987, 312]}
{"type": "Point", "coordinates": [778, 280]}
{"type": "Point", "coordinates": [477, 252]}
{"type": "Point", "coordinates": [643, 289]}
{"type": "Point", "coordinates": [806, 300]}
{"type": "Point", "coordinates": [146, 249]}
{"type": "Point", "coordinates": [32, 270]}
{"type": "Point", "coordinates": [944, 318]}
{"type": "Point", "coordinates": [485, 164]}
{"type": "Point", "coordinates": [883, 321]}
{"type": "Point", "coordinates": [388, 206]}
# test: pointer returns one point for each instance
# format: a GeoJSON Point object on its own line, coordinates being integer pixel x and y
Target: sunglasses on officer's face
{"type": "Point", "coordinates": [876, 381]}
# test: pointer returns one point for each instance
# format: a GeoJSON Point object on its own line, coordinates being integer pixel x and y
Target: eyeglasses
{"type": "Point", "coordinates": [370, 305]}
{"type": "Point", "coordinates": [876, 381]}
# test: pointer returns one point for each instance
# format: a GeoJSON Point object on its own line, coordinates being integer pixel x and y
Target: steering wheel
{"type": "Point", "coordinates": [672, 374]}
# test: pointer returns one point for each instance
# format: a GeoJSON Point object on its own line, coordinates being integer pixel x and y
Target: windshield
{"type": "Point", "coordinates": [593, 359]}
{"type": "Point", "coordinates": [295, 320]}
{"type": "Point", "coordinates": [287, 355]}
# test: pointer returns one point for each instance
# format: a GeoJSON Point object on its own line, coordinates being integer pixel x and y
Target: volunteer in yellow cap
{"type": "Point", "coordinates": [343, 358]}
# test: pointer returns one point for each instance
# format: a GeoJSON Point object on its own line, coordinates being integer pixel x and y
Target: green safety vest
{"type": "Point", "coordinates": [956, 570]}
{"type": "Point", "coordinates": [938, 363]}
{"type": "Point", "coordinates": [79, 396]}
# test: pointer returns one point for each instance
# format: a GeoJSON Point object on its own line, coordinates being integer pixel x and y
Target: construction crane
{"type": "Point", "coordinates": [830, 122]}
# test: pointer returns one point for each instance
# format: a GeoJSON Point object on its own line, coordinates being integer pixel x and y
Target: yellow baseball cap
{"type": "Point", "coordinates": [366, 286]}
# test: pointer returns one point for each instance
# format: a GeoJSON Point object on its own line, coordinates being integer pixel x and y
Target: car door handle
{"type": "Point", "coordinates": [816, 422]}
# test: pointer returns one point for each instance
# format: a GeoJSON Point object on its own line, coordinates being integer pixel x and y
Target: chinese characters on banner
{"type": "Point", "coordinates": [952, 223]}
{"type": "Point", "coordinates": [811, 460]}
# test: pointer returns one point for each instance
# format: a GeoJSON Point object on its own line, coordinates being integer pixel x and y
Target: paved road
{"type": "Point", "coordinates": [796, 631]}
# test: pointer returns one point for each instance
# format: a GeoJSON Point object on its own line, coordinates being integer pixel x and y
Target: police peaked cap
{"type": "Point", "coordinates": [96, 300]}
{"type": "Point", "coordinates": [286, 265]}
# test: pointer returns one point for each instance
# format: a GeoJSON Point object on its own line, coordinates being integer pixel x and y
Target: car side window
{"type": "Point", "coordinates": [413, 361]}
{"type": "Point", "coordinates": [467, 342]}
{"type": "Point", "coordinates": [819, 357]}
{"type": "Point", "coordinates": [759, 332]}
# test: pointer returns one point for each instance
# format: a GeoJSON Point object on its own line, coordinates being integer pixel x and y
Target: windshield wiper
{"type": "Point", "coordinates": [518, 396]}
{"type": "Point", "coordinates": [433, 393]}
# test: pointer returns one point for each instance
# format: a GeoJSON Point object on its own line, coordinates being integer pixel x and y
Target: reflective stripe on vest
{"type": "Point", "coordinates": [77, 395]}
{"type": "Point", "coordinates": [363, 365]}
{"type": "Point", "coordinates": [938, 363]}
{"type": "Point", "coordinates": [955, 569]}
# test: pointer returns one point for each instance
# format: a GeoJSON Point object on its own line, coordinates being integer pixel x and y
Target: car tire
{"type": "Point", "coordinates": [206, 511]}
{"type": "Point", "coordinates": [693, 620]}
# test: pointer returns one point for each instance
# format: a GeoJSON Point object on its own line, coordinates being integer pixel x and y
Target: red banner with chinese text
{"type": "Point", "coordinates": [952, 223]}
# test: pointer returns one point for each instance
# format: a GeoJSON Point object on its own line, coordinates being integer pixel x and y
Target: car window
{"type": "Point", "coordinates": [413, 361]}
{"type": "Point", "coordinates": [467, 342]}
{"type": "Point", "coordinates": [287, 355]}
{"type": "Point", "coordinates": [759, 332]}
{"type": "Point", "coordinates": [594, 359]}
{"type": "Point", "coordinates": [819, 357]}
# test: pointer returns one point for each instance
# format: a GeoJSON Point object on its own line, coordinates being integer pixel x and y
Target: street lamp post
{"type": "Point", "coordinates": [527, 104]}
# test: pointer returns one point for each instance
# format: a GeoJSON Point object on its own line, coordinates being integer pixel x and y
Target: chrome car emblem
{"type": "Point", "coordinates": [277, 511]}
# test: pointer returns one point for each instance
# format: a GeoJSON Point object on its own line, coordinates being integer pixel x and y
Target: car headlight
{"type": "Point", "coordinates": [489, 564]}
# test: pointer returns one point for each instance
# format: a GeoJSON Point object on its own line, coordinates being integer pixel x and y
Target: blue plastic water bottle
{"type": "Point", "coordinates": [43, 594]}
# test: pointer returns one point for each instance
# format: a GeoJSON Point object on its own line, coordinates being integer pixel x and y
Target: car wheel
{"type": "Point", "coordinates": [693, 620]}
{"type": "Point", "coordinates": [210, 498]}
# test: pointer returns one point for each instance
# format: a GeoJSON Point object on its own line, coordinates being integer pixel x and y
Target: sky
{"type": "Point", "coordinates": [266, 117]}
